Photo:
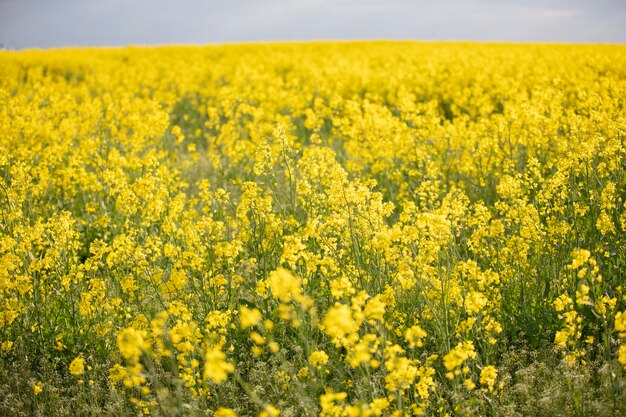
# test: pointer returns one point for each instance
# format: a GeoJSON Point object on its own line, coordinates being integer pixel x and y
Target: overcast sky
{"type": "Point", "coordinates": [57, 23]}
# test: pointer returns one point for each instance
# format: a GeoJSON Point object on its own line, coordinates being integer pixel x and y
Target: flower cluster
{"type": "Point", "coordinates": [358, 229]}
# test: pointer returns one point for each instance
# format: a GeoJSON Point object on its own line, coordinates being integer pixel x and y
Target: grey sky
{"type": "Point", "coordinates": [56, 23]}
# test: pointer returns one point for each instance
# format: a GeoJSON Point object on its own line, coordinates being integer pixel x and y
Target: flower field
{"type": "Point", "coordinates": [302, 229]}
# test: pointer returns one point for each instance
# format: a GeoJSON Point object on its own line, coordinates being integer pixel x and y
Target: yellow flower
{"type": "Point", "coordinates": [303, 373]}
{"type": "Point", "coordinates": [216, 368]}
{"type": "Point", "coordinates": [257, 338]}
{"type": "Point", "coordinates": [340, 287]}
{"type": "Point", "coordinates": [38, 388]}
{"type": "Point", "coordinates": [488, 376]}
{"type": "Point", "coordinates": [379, 405]}
{"type": "Point", "coordinates": [339, 322]}
{"type": "Point", "coordinates": [117, 373]}
{"type": "Point", "coordinates": [270, 411]}
{"type": "Point", "coordinates": [77, 367]}
{"type": "Point", "coordinates": [620, 323]}
{"type": "Point", "coordinates": [622, 355]}
{"type": "Point", "coordinates": [284, 285]}
{"type": "Point", "coordinates": [375, 309]}
{"type": "Point", "coordinates": [561, 337]}
{"type": "Point", "coordinates": [318, 358]}
{"type": "Point", "coordinates": [362, 351]}
{"type": "Point", "coordinates": [458, 355]}
{"type": "Point", "coordinates": [249, 317]}
{"type": "Point", "coordinates": [328, 400]}
{"type": "Point", "coordinates": [131, 343]}
{"type": "Point", "coordinates": [414, 336]}
{"type": "Point", "coordinates": [225, 412]}
{"type": "Point", "coordinates": [579, 258]}
{"type": "Point", "coordinates": [475, 301]}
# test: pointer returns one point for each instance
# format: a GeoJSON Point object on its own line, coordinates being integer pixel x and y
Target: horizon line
{"type": "Point", "coordinates": [4, 48]}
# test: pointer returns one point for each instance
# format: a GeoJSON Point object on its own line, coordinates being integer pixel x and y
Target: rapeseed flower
{"type": "Point", "coordinates": [318, 358]}
{"type": "Point", "coordinates": [339, 322]}
{"type": "Point", "coordinates": [458, 355]}
{"type": "Point", "coordinates": [317, 216]}
{"type": "Point", "coordinates": [488, 376]}
{"type": "Point", "coordinates": [77, 366]}
{"type": "Point", "coordinates": [131, 343]}
{"type": "Point", "coordinates": [216, 368]}
{"type": "Point", "coordinates": [249, 317]}
{"type": "Point", "coordinates": [224, 412]}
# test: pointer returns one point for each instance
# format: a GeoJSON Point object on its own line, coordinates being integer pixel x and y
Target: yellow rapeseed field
{"type": "Point", "coordinates": [302, 229]}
